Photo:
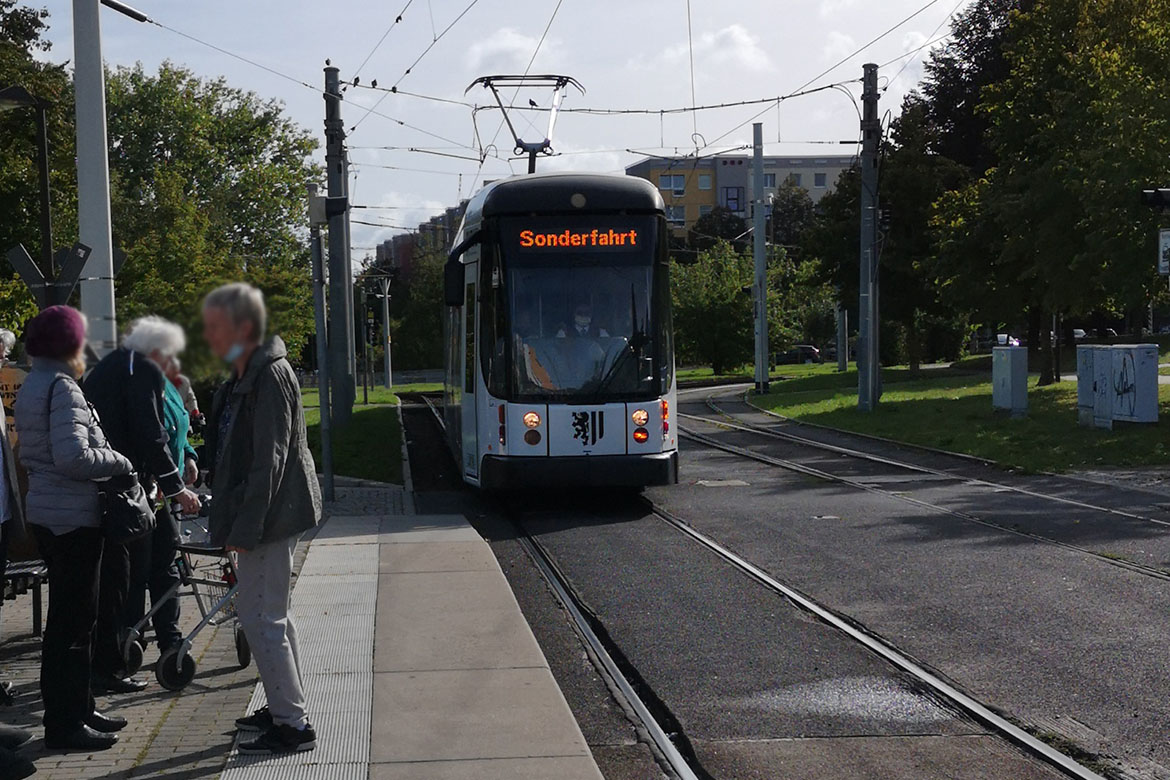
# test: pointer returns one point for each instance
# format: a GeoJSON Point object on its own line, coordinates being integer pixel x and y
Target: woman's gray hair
{"type": "Point", "coordinates": [7, 340]}
{"type": "Point", "coordinates": [154, 334]}
{"type": "Point", "coordinates": [243, 303]}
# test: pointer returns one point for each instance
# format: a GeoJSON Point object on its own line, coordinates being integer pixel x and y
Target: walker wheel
{"type": "Point", "coordinates": [243, 649]}
{"type": "Point", "coordinates": [172, 673]}
{"type": "Point", "coordinates": [132, 657]}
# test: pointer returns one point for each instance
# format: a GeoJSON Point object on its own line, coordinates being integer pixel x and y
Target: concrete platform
{"type": "Point", "coordinates": [419, 663]}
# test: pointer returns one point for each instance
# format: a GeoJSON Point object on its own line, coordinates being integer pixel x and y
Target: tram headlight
{"type": "Point", "coordinates": [640, 417]}
{"type": "Point", "coordinates": [641, 435]}
{"type": "Point", "coordinates": [531, 420]}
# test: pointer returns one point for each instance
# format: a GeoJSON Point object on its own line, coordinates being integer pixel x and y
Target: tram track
{"type": "Point", "coordinates": [660, 730]}
{"type": "Point", "coordinates": [671, 747]}
{"type": "Point", "coordinates": [828, 476]}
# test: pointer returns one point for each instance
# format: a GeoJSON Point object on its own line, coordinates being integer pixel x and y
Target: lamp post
{"type": "Point", "coordinates": [18, 97]}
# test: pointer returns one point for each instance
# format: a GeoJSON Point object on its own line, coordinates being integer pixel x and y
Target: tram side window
{"type": "Point", "coordinates": [493, 328]}
{"type": "Point", "coordinates": [469, 344]}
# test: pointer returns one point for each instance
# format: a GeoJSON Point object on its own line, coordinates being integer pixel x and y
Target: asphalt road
{"type": "Point", "coordinates": [756, 687]}
{"type": "Point", "coordinates": [1058, 638]}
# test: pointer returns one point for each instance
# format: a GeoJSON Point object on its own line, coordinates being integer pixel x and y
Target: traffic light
{"type": "Point", "coordinates": [1156, 199]}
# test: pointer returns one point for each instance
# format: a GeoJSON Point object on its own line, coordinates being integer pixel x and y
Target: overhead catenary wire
{"type": "Point", "coordinates": [846, 59]}
{"type": "Point", "coordinates": [909, 56]}
{"type": "Point", "coordinates": [435, 39]}
{"type": "Point", "coordinates": [393, 24]}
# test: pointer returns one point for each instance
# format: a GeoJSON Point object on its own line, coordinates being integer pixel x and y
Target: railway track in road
{"type": "Point", "coordinates": [670, 745]}
{"type": "Point", "coordinates": [870, 486]}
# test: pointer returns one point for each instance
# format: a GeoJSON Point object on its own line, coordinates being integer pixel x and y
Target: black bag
{"type": "Point", "coordinates": [126, 511]}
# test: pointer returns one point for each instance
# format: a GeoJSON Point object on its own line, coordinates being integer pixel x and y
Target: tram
{"type": "Point", "coordinates": [559, 348]}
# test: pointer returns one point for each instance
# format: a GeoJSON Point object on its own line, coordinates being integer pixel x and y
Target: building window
{"type": "Point", "coordinates": [705, 210]}
{"type": "Point", "coordinates": [733, 199]}
{"type": "Point", "coordinates": [704, 181]}
{"type": "Point", "coordinates": [676, 183]}
{"type": "Point", "coordinates": [676, 216]}
{"type": "Point", "coordinates": [770, 181]}
{"type": "Point", "coordinates": [794, 179]}
{"type": "Point", "coordinates": [820, 179]}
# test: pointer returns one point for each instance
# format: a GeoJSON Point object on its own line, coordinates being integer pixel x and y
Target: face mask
{"type": "Point", "coordinates": [582, 322]}
{"type": "Point", "coordinates": [233, 354]}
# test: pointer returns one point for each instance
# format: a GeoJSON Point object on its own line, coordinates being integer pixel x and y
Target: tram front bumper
{"type": "Point", "coordinates": [579, 470]}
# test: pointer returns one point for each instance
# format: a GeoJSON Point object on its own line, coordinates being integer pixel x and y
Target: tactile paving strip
{"type": "Point", "coordinates": [333, 603]}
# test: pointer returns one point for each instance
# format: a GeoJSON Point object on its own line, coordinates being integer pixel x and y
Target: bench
{"type": "Point", "coordinates": [22, 576]}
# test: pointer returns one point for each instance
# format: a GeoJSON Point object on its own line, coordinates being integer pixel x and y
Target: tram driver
{"type": "Point", "coordinates": [582, 325]}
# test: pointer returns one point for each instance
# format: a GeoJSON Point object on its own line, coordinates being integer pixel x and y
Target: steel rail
{"type": "Point", "coordinates": [862, 455]}
{"type": "Point", "coordinates": [800, 468]}
{"type": "Point", "coordinates": [972, 707]}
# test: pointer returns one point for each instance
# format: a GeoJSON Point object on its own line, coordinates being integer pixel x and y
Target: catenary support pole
{"type": "Point", "coordinates": [341, 336]}
{"type": "Point", "coordinates": [868, 351]}
{"type": "Point", "coordinates": [349, 304]}
{"type": "Point", "coordinates": [93, 177]}
{"type": "Point", "coordinates": [48, 265]}
{"type": "Point", "coordinates": [385, 284]}
{"type": "Point", "coordinates": [322, 363]}
{"type": "Point", "coordinates": [760, 257]}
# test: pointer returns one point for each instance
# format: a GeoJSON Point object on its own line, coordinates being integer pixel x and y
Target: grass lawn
{"type": "Point", "coordinates": [370, 445]}
{"type": "Point", "coordinates": [952, 411]}
{"type": "Point", "coordinates": [747, 373]}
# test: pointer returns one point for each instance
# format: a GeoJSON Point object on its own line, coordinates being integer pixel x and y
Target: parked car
{"type": "Point", "coordinates": [801, 353]}
{"type": "Point", "coordinates": [1079, 334]}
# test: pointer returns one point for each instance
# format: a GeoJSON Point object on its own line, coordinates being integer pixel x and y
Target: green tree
{"type": "Point", "coordinates": [21, 37]}
{"type": "Point", "coordinates": [417, 330]}
{"type": "Point", "coordinates": [793, 214]}
{"type": "Point", "coordinates": [720, 224]}
{"type": "Point", "coordinates": [208, 185]}
{"type": "Point", "coordinates": [712, 312]}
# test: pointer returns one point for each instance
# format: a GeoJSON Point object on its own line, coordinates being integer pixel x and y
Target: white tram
{"type": "Point", "coordinates": [560, 354]}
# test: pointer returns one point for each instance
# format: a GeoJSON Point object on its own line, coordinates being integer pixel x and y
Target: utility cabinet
{"type": "Point", "coordinates": [1117, 382]}
{"type": "Point", "coordinates": [1009, 380]}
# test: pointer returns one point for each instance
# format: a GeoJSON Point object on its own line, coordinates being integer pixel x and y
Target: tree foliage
{"type": "Point", "coordinates": [720, 224]}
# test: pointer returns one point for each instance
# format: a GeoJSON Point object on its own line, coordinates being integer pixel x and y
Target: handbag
{"type": "Point", "coordinates": [126, 511]}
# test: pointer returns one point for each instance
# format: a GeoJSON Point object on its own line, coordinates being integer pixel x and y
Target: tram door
{"type": "Point", "coordinates": [470, 426]}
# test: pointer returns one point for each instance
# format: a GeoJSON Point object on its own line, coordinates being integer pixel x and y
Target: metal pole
{"type": "Point", "coordinates": [340, 316]}
{"type": "Point", "coordinates": [868, 362]}
{"type": "Point", "coordinates": [365, 349]}
{"type": "Point", "coordinates": [322, 363]}
{"type": "Point", "coordinates": [758, 254]}
{"type": "Point", "coordinates": [349, 303]}
{"type": "Point", "coordinates": [385, 283]}
{"type": "Point", "coordinates": [93, 177]}
{"type": "Point", "coordinates": [48, 265]}
{"type": "Point", "coordinates": [842, 338]}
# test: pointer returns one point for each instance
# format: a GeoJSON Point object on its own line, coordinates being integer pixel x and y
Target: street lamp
{"type": "Point", "coordinates": [18, 97]}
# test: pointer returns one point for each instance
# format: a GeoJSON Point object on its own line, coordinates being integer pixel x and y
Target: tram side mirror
{"type": "Point", "coordinates": [453, 270]}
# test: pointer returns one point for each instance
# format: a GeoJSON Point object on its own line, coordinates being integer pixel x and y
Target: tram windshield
{"type": "Point", "coordinates": [584, 312]}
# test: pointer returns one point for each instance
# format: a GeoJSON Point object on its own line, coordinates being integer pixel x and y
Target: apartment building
{"type": "Point", "coordinates": [691, 188]}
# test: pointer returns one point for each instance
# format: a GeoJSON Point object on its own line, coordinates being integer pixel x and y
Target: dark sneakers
{"type": "Point", "coordinates": [281, 739]}
{"type": "Point", "coordinates": [260, 720]}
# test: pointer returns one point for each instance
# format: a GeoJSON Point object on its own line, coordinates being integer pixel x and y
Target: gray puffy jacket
{"type": "Point", "coordinates": [62, 447]}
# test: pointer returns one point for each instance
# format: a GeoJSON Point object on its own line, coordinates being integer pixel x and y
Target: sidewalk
{"type": "Point", "coordinates": [418, 662]}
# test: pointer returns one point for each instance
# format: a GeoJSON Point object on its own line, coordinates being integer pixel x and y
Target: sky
{"type": "Point", "coordinates": [635, 54]}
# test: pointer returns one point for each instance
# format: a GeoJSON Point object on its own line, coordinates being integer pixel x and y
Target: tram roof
{"type": "Point", "coordinates": [552, 193]}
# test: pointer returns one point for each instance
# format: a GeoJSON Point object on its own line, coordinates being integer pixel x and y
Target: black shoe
{"type": "Point", "coordinates": [108, 683]}
{"type": "Point", "coordinates": [105, 724]}
{"type": "Point", "coordinates": [281, 739]}
{"type": "Point", "coordinates": [14, 767]}
{"type": "Point", "coordinates": [12, 737]}
{"type": "Point", "coordinates": [82, 738]}
{"type": "Point", "coordinates": [260, 720]}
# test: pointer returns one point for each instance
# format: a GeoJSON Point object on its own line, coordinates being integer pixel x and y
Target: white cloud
{"type": "Point", "coordinates": [733, 46]}
{"type": "Point", "coordinates": [508, 51]}
{"type": "Point", "coordinates": [838, 45]}
{"type": "Point", "coordinates": [827, 8]}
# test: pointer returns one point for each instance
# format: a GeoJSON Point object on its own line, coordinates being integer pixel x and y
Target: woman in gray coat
{"type": "Point", "coordinates": [65, 453]}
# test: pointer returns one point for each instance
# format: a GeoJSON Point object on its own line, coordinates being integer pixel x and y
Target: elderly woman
{"type": "Point", "coordinates": [64, 450]}
{"type": "Point", "coordinates": [128, 389]}
{"type": "Point", "coordinates": [266, 496]}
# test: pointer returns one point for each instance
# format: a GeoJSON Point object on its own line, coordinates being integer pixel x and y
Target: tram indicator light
{"type": "Point", "coordinates": [597, 238]}
{"type": "Point", "coordinates": [641, 435]}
